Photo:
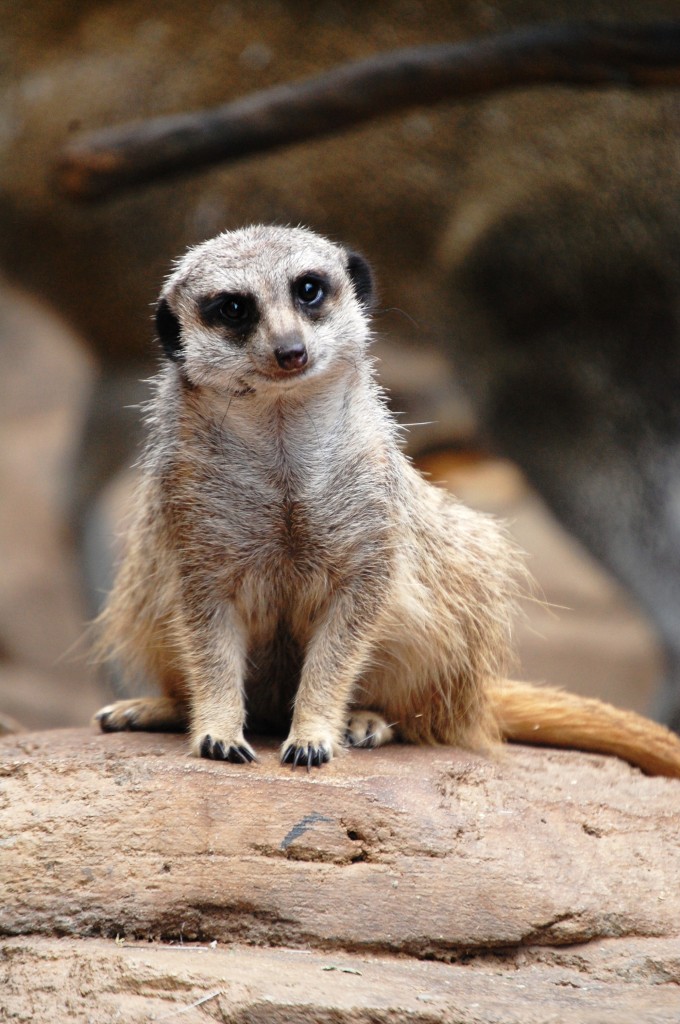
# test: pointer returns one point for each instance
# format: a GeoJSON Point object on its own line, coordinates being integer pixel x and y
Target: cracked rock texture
{"type": "Point", "coordinates": [400, 884]}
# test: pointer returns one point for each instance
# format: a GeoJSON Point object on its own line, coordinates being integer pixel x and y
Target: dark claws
{"type": "Point", "coordinates": [366, 743]}
{"type": "Point", "coordinates": [218, 750]}
{"type": "Point", "coordinates": [321, 756]}
{"type": "Point", "coordinates": [311, 757]}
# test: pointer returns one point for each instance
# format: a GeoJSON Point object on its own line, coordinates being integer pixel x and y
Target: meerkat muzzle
{"type": "Point", "coordinates": [292, 357]}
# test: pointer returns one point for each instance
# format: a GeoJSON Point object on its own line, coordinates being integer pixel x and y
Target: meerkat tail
{"type": "Point", "coordinates": [551, 717]}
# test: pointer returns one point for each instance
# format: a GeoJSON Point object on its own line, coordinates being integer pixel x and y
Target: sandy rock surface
{"type": "Point", "coordinates": [628, 981]}
{"type": "Point", "coordinates": [541, 886]}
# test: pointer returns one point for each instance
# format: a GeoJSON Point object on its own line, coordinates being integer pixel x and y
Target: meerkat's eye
{"type": "Point", "coordinates": [234, 309]}
{"type": "Point", "coordinates": [310, 291]}
{"type": "Point", "coordinates": [236, 312]}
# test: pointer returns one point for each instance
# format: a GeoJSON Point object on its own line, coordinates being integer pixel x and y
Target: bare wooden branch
{"type": "Point", "coordinates": [592, 55]}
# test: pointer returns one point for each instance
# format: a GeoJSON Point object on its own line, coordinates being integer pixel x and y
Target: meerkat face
{"type": "Point", "coordinates": [265, 308]}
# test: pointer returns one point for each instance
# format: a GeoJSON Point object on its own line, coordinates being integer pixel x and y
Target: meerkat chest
{"type": "Point", "coordinates": [303, 522]}
{"type": "Point", "coordinates": [283, 506]}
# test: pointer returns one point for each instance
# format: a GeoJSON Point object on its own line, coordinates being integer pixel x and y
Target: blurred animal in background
{"type": "Point", "coordinates": [531, 236]}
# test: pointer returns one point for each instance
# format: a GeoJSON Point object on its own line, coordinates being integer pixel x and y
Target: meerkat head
{"type": "Point", "coordinates": [265, 307]}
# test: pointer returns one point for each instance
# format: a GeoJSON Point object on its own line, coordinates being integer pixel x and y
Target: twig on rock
{"type": "Point", "coordinates": [192, 1006]}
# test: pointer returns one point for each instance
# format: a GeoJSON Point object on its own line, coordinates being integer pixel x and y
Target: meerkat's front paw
{"type": "Point", "coordinates": [237, 750]}
{"type": "Point", "coordinates": [308, 754]}
{"type": "Point", "coordinates": [310, 748]}
{"type": "Point", "coordinates": [367, 729]}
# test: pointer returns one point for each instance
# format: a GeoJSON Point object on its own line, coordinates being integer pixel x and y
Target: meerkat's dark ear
{"type": "Point", "coordinates": [169, 331]}
{"type": "Point", "coordinates": [361, 277]}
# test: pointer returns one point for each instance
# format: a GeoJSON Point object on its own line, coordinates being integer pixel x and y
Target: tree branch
{"type": "Point", "coordinates": [593, 55]}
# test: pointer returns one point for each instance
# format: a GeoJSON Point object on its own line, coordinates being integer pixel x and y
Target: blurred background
{"type": "Point", "coordinates": [520, 241]}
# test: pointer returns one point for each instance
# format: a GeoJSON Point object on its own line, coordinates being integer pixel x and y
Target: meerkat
{"type": "Point", "coordinates": [285, 559]}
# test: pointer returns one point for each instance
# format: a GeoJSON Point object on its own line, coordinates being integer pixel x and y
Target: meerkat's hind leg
{"type": "Point", "coordinates": [144, 714]}
{"type": "Point", "coordinates": [367, 729]}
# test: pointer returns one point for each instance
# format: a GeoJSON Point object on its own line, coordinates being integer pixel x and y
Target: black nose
{"type": "Point", "coordinates": [291, 357]}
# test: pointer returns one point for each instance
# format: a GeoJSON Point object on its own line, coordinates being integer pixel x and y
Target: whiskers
{"type": "Point", "coordinates": [379, 313]}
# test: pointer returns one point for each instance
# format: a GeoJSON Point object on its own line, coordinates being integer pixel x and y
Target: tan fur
{"type": "Point", "coordinates": [285, 555]}
{"type": "Point", "coordinates": [544, 715]}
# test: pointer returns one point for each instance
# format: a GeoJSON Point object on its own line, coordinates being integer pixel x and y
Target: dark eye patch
{"type": "Point", "coordinates": [310, 290]}
{"type": "Point", "coordinates": [233, 310]}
